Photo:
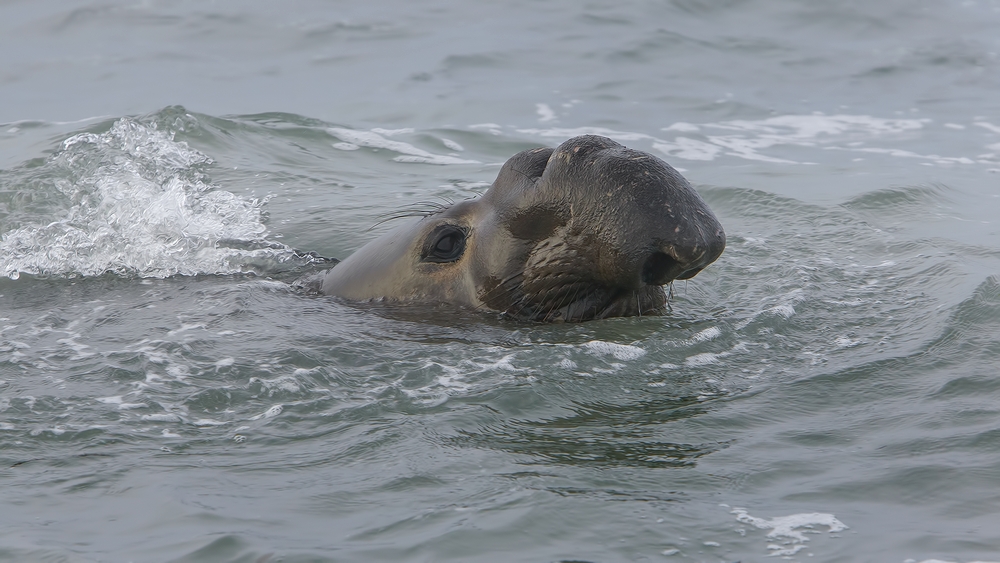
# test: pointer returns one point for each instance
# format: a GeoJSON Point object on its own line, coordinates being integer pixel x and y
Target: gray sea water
{"type": "Point", "coordinates": [827, 391]}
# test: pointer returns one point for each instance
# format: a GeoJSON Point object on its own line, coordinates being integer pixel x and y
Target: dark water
{"type": "Point", "coordinates": [827, 391]}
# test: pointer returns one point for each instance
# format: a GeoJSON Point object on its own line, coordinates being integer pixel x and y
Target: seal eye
{"type": "Point", "coordinates": [446, 243]}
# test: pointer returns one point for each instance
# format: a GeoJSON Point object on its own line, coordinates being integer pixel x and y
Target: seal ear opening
{"type": "Point", "coordinates": [446, 243]}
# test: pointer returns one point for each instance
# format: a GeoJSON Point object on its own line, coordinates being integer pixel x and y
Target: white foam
{"type": "Point", "coordinates": [565, 133]}
{"type": "Point", "coordinates": [754, 139]}
{"type": "Point", "coordinates": [845, 342]}
{"type": "Point", "coordinates": [282, 383]}
{"type": "Point", "coordinates": [452, 145]}
{"type": "Point", "coordinates": [786, 311]}
{"type": "Point", "coordinates": [567, 363]}
{"type": "Point", "coordinates": [683, 127]}
{"type": "Point", "coordinates": [619, 351]}
{"type": "Point", "coordinates": [688, 149]}
{"type": "Point", "coordinates": [545, 113]}
{"type": "Point", "coordinates": [408, 152]}
{"type": "Point", "coordinates": [812, 127]}
{"type": "Point", "coordinates": [899, 153]}
{"type": "Point", "coordinates": [703, 359]}
{"type": "Point", "coordinates": [269, 413]}
{"type": "Point", "coordinates": [391, 132]}
{"type": "Point", "coordinates": [505, 363]}
{"type": "Point", "coordinates": [710, 333]}
{"type": "Point", "coordinates": [81, 350]}
{"type": "Point", "coordinates": [988, 126]}
{"type": "Point", "coordinates": [185, 328]}
{"type": "Point", "coordinates": [491, 128]}
{"type": "Point", "coordinates": [224, 363]}
{"type": "Point", "coordinates": [456, 379]}
{"type": "Point", "coordinates": [790, 528]}
{"type": "Point", "coordinates": [209, 422]}
{"type": "Point", "coordinates": [708, 358]}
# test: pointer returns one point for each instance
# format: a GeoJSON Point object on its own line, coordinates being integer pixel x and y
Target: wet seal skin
{"type": "Point", "coordinates": [588, 230]}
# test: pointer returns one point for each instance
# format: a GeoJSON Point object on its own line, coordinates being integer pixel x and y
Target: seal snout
{"type": "Point", "coordinates": [683, 260]}
{"type": "Point", "coordinates": [660, 268]}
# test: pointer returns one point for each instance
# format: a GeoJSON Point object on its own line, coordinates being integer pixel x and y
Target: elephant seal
{"type": "Point", "coordinates": [588, 230]}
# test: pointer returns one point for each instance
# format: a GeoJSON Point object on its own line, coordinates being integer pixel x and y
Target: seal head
{"type": "Point", "coordinates": [588, 230]}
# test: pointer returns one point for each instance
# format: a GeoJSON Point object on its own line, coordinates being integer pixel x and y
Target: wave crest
{"type": "Point", "coordinates": [136, 202]}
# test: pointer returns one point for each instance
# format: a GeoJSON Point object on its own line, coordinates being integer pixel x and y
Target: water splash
{"type": "Point", "coordinates": [133, 201]}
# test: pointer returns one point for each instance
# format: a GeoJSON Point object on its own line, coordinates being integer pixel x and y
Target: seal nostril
{"type": "Point", "coordinates": [660, 268]}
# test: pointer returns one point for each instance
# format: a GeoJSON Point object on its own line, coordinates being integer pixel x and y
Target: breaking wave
{"type": "Point", "coordinates": [133, 201]}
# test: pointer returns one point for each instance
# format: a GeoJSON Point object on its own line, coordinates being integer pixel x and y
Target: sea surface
{"type": "Point", "coordinates": [828, 391]}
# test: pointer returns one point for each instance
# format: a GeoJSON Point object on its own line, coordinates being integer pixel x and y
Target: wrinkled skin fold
{"type": "Point", "coordinates": [588, 230]}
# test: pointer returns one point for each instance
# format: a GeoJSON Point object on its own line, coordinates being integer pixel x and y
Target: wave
{"type": "Point", "coordinates": [132, 201]}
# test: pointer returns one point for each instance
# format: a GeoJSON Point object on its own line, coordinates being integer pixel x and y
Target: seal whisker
{"type": "Point", "coordinates": [576, 299]}
{"type": "Point", "coordinates": [436, 205]}
{"type": "Point", "coordinates": [505, 287]}
{"type": "Point", "coordinates": [563, 301]}
{"type": "Point", "coordinates": [524, 308]}
{"type": "Point", "coordinates": [516, 308]}
{"type": "Point", "coordinates": [521, 305]}
{"type": "Point", "coordinates": [430, 208]}
{"type": "Point", "coordinates": [502, 293]}
{"type": "Point", "coordinates": [491, 297]}
{"type": "Point", "coordinates": [572, 301]}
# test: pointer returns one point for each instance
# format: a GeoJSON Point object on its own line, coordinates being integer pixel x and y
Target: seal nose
{"type": "Point", "coordinates": [665, 265]}
{"type": "Point", "coordinates": [660, 268]}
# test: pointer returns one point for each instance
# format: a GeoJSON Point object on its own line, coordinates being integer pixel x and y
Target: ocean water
{"type": "Point", "coordinates": [828, 390]}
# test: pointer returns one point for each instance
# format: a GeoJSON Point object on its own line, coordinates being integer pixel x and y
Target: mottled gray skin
{"type": "Point", "coordinates": [589, 230]}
